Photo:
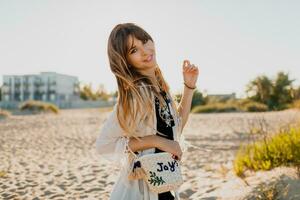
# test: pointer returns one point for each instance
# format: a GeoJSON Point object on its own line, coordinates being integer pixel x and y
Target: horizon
{"type": "Point", "coordinates": [95, 87]}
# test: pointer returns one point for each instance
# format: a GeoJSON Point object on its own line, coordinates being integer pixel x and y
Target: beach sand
{"type": "Point", "coordinates": [48, 156]}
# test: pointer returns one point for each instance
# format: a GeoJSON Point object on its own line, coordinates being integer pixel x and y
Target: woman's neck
{"type": "Point", "coordinates": [149, 73]}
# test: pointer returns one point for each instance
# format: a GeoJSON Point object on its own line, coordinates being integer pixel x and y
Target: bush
{"type": "Point", "coordinates": [295, 104]}
{"type": "Point", "coordinates": [244, 105]}
{"type": "Point", "coordinates": [38, 106]}
{"type": "Point", "coordinates": [197, 99]}
{"type": "Point", "coordinates": [215, 108]}
{"type": "Point", "coordinates": [4, 113]}
{"type": "Point", "coordinates": [252, 106]}
{"type": "Point", "coordinates": [282, 149]}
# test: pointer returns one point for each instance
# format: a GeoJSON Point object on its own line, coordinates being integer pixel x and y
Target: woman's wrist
{"type": "Point", "coordinates": [159, 142]}
{"type": "Point", "coordinates": [189, 87]}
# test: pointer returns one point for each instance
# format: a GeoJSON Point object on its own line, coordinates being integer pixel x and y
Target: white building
{"type": "Point", "coordinates": [46, 86]}
{"type": "Point", "coordinates": [221, 97]}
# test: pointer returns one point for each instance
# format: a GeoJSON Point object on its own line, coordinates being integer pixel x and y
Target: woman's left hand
{"type": "Point", "coordinates": [190, 73]}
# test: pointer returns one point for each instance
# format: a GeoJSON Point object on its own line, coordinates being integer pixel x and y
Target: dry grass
{"type": "Point", "coordinates": [39, 106]}
{"type": "Point", "coordinates": [4, 113]}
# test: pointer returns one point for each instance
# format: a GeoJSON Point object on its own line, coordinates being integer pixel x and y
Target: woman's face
{"type": "Point", "coordinates": [141, 54]}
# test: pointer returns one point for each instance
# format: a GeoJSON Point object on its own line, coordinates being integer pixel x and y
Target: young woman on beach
{"type": "Point", "coordinates": [145, 118]}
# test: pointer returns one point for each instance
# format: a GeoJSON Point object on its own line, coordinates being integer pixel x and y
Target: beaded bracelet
{"type": "Point", "coordinates": [189, 86]}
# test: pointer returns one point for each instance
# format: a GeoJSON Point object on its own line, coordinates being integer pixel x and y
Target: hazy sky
{"type": "Point", "coordinates": [231, 42]}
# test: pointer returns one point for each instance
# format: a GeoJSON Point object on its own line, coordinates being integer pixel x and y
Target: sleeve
{"type": "Point", "coordinates": [183, 143]}
{"type": "Point", "coordinates": [111, 144]}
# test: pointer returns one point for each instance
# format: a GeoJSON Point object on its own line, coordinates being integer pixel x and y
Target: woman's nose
{"type": "Point", "coordinates": [145, 51]}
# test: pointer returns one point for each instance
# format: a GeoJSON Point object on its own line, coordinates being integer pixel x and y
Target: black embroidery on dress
{"type": "Point", "coordinates": [165, 127]}
{"type": "Point", "coordinates": [164, 112]}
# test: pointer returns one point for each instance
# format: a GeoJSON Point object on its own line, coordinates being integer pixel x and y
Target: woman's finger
{"type": "Point", "coordinates": [191, 68]}
{"type": "Point", "coordinates": [186, 63]}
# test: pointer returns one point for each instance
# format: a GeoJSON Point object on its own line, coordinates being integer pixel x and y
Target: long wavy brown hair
{"type": "Point", "coordinates": [135, 90]}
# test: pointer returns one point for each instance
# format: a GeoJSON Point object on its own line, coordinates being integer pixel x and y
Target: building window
{"type": "Point", "coordinates": [52, 97]}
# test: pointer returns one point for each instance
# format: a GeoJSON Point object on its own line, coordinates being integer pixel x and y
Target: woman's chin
{"type": "Point", "coordinates": [151, 65]}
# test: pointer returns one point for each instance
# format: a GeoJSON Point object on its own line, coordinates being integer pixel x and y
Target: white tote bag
{"type": "Point", "coordinates": [160, 171]}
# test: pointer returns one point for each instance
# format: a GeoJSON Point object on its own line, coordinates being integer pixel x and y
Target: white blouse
{"type": "Point", "coordinates": [112, 145]}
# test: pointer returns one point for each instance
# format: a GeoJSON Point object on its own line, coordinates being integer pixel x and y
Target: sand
{"type": "Point", "coordinates": [48, 156]}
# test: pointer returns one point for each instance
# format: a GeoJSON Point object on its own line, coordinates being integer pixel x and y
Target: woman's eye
{"type": "Point", "coordinates": [145, 41]}
{"type": "Point", "coordinates": [133, 51]}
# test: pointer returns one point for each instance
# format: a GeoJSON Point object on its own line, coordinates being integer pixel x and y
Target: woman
{"type": "Point", "coordinates": [145, 118]}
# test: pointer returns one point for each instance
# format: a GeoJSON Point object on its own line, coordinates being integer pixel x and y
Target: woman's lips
{"type": "Point", "coordinates": [149, 58]}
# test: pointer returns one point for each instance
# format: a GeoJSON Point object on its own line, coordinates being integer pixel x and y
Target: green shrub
{"type": "Point", "coordinates": [215, 108]}
{"type": "Point", "coordinates": [252, 106]}
{"type": "Point", "coordinates": [244, 105]}
{"type": "Point", "coordinates": [39, 106]}
{"type": "Point", "coordinates": [282, 149]}
{"type": "Point", "coordinates": [4, 113]}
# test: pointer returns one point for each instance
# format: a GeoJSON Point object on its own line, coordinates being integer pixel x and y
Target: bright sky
{"type": "Point", "coordinates": [231, 42]}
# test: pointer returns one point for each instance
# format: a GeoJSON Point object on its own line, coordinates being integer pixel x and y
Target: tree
{"type": "Point", "coordinates": [86, 93]}
{"type": "Point", "coordinates": [282, 91]}
{"type": "Point", "coordinates": [260, 89]}
{"type": "Point", "coordinates": [275, 94]}
{"type": "Point", "coordinates": [101, 93]}
{"type": "Point", "coordinates": [296, 93]}
{"type": "Point", "coordinates": [197, 99]}
{"type": "Point", "coordinates": [1, 93]}
{"type": "Point", "coordinates": [114, 94]}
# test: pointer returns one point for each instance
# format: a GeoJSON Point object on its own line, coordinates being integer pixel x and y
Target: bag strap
{"type": "Point", "coordinates": [128, 149]}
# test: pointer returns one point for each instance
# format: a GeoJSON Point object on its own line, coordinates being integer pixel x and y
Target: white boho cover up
{"type": "Point", "coordinates": [112, 144]}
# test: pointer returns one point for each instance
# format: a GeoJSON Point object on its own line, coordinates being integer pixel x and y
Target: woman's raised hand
{"type": "Point", "coordinates": [190, 73]}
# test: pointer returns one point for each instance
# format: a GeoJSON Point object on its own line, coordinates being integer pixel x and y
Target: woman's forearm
{"type": "Point", "coordinates": [155, 141]}
{"type": "Point", "coordinates": [185, 104]}
{"type": "Point", "coordinates": [146, 142]}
